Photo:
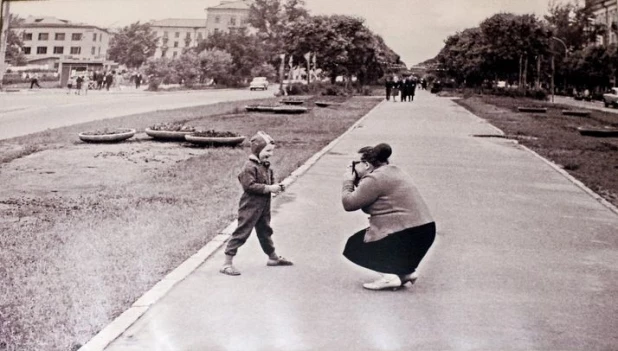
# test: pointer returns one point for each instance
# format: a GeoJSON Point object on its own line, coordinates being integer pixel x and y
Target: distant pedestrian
{"type": "Point", "coordinates": [405, 88]}
{"type": "Point", "coordinates": [100, 78]}
{"type": "Point", "coordinates": [70, 84]}
{"type": "Point", "coordinates": [86, 83]}
{"type": "Point", "coordinates": [78, 86]}
{"type": "Point", "coordinates": [388, 84]}
{"type": "Point", "coordinates": [258, 182]}
{"type": "Point", "coordinates": [401, 229]}
{"type": "Point", "coordinates": [109, 80]}
{"type": "Point", "coordinates": [138, 80]}
{"type": "Point", "coordinates": [411, 88]}
{"type": "Point", "coordinates": [395, 89]}
{"type": "Point", "coordinates": [35, 81]}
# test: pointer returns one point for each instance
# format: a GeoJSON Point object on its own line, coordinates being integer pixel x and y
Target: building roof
{"type": "Point", "coordinates": [53, 22]}
{"type": "Point", "coordinates": [232, 4]}
{"type": "Point", "coordinates": [180, 22]}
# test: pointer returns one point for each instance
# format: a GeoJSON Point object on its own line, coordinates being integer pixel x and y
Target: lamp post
{"type": "Point", "coordinates": [553, 66]}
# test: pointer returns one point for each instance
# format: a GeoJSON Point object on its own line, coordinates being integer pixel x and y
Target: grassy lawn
{"type": "Point", "coordinates": [592, 160]}
{"type": "Point", "coordinates": [86, 229]}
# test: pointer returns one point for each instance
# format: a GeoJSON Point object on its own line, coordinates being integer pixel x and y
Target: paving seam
{"type": "Point", "coordinates": [557, 168]}
{"type": "Point", "coordinates": [123, 322]}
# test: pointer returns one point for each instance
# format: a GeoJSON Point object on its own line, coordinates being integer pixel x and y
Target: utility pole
{"type": "Point", "coordinates": [4, 34]}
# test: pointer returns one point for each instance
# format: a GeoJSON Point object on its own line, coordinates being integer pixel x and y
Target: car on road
{"type": "Point", "coordinates": [611, 98]}
{"type": "Point", "coordinates": [258, 83]}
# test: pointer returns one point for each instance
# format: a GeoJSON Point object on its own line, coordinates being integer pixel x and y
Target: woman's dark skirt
{"type": "Point", "coordinates": [399, 253]}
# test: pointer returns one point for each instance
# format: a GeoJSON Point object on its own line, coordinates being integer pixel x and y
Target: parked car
{"type": "Point", "coordinates": [258, 83]}
{"type": "Point", "coordinates": [611, 98]}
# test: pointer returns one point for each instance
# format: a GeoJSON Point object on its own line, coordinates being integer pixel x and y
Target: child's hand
{"type": "Point", "coordinates": [275, 188]}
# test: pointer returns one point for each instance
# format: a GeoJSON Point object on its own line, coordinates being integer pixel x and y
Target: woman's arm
{"type": "Point", "coordinates": [365, 194]}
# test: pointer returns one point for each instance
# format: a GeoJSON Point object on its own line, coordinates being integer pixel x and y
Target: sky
{"type": "Point", "coordinates": [414, 29]}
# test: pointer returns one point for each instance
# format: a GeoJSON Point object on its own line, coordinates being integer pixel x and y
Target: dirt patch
{"type": "Point", "coordinates": [594, 161]}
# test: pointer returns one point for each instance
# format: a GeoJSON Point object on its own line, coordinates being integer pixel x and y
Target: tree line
{"type": "Point", "coordinates": [519, 49]}
{"type": "Point", "coordinates": [344, 46]}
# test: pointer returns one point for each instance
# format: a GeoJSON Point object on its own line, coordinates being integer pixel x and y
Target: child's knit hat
{"type": "Point", "coordinates": [259, 142]}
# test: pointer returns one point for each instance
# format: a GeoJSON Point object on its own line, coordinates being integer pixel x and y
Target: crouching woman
{"type": "Point", "coordinates": [401, 229]}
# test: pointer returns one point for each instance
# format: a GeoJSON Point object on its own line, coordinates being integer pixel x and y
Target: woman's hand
{"type": "Point", "coordinates": [349, 174]}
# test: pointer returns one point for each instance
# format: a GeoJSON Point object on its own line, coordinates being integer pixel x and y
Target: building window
{"type": "Point", "coordinates": [92, 50]}
{"type": "Point", "coordinates": [76, 36]}
{"type": "Point", "coordinates": [216, 30]}
{"type": "Point", "coordinates": [233, 21]}
{"type": "Point", "coordinates": [76, 50]}
{"type": "Point", "coordinates": [59, 36]}
{"type": "Point", "coordinates": [94, 36]}
{"type": "Point", "coordinates": [58, 49]}
{"type": "Point", "coordinates": [165, 34]}
{"type": "Point", "coordinates": [175, 54]}
{"type": "Point", "coordinates": [217, 19]}
{"type": "Point", "coordinates": [41, 50]}
{"type": "Point", "coordinates": [43, 36]}
{"type": "Point", "coordinates": [99, 51]}
{"type": "Point", "coordinates": [26, 50]}
{"type": "Point", "coordinates": [177, 35]}
{"type": "Point", "coordinates": [199, 36]}
{"type": "Point", "coordinates": [27, 36]}
{"type": "Point", "coordinates": [175, 44]}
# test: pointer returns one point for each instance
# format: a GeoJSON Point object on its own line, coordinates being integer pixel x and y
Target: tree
{"type": "Point", "coordinates": [133, 45]}
{"type": "Point", "coordinates": [159, 70]}
{"type": "Point", "coordinates": [343, 44]}
{"type": "Point", "coordinates": [463, 56]}
{"type": "Point", "coordinates": [215, 64]}
{"type": "Point", "coordinates": [513, 41]}
{"type": "Point", "coordinates": [247, 51]}
{"type": "Point", "coordinates": [14, 54]}
{"type": "Point", "coordinates": [264, 70]}
{"type": "Point", "coordinates": [271, 18]}
{"type": "Point", "coordinates": [187, 68]}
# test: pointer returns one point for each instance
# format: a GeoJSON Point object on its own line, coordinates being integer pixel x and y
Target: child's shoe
{"type": "Point", "coordinates": [279, 261]}
{"type": "Point", "coordinates": [229, 270]}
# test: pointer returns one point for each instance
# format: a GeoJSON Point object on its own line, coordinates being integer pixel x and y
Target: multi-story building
{"type": "Point", "coordinates": [228, 15]}
{"type": "Point", "coordinates": [176, 34]}
{"type": "Point", "coordinates": [49, 40]}
{"type": "Point", "coordinates": [605, 12]}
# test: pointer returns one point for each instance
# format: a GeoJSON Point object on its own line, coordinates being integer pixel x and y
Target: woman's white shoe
{"type": "Point", "coordinates": [387, 281]}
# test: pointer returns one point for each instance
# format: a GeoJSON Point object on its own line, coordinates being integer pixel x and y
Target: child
{"type": "Point", "coordinates": [257, 180]}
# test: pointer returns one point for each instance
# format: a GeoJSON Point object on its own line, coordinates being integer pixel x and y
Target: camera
{"type": "Point", "coordinates": [356, 177]}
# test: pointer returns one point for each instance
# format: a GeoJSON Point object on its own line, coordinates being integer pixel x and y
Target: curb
{"type": "Point", "coordinates": [556, 167]}
{"type": "Point", "coordinates": [121, 323]}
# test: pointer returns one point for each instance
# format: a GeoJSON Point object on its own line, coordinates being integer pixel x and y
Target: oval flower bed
{"type": "Point", "coordinates": [169, 131]}
{"type": "Point", "coordinates": [327, 103]}
{"type": "Point", "coordinates": [292, 101]}
{"type": "Point", "coordinates": [107, 135]}
{"type": "Point", "coordinates": [215, 138]}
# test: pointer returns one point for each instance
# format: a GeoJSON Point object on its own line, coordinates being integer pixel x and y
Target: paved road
{"type": "Point", "coordinates": [594, 105]}
{"type": "Point", "coordinates": [34, 111]}
{"type": "Point", "coordinates": [524, 258]}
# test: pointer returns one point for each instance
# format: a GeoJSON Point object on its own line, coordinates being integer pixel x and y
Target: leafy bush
{"type": "Point", "coordinates": [297, 89]}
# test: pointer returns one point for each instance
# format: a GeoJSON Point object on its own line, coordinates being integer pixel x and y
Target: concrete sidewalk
{"type": "Point", "coordinates": [525, 259]}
